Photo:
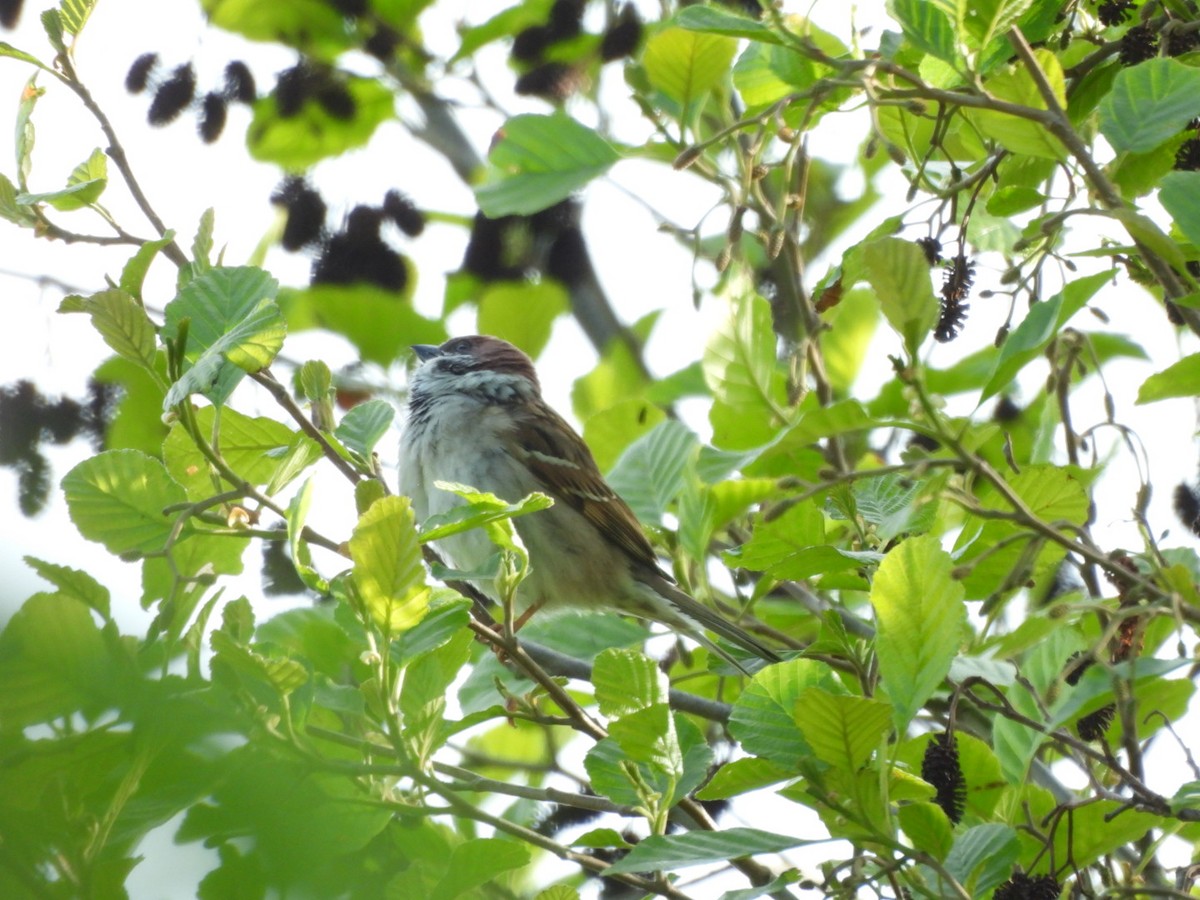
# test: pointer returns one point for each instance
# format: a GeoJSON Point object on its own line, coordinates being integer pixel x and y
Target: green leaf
{"type": "Point", "coordinates": [989, 19]}
{"type": "Point", "coordinates": [1016, 744]}
{"type": "Point", "coordinates": [54, 662]}
{"type": "Point", "coordinates": [1043, 321]}
{"type": "Point", "coordinates": [76, 196]}
{"type": "Point", "coordinates": [121, 321]}
{"type": "Point", "coordinates": [716, 20]}
{"type": "Point", "coordinates": [1096, 688]}
{"type": "Point", "coordinates": [765, 74]}
{"type": "Point", "coordinates": [741, 775]}
{"type": "Point", "coordinates": [740, 368]}
{"type": "Point", "coordinates": [75, 14]}
{"type": "Point", "coordinates": [651, 472]}
{"type": "Point", "coordinates": [920, 618]}
{"type": "Point", "coordinates": [12, 52]}
{"type": "Point", "coordinates": [1180, 194]}
{"type": "Point", "coordinates": [297, 514]}
{"type": "Point", "coordinates": [927, 827]}
{"type": "Point", "coordinates": [297, 142]}
{"type": "Point", "coordinates": [982, 857]}
{"type": "Point", "coordinates": [626, 681]}
{"type": "Point", "coordinates": [311, 633]}
{"type": "Point", "coordinates": [481, 509]}
{"type": "Point", "coordinates": [1148, 104]}
{"type": "Point", "coordinates": [558, 892]}
{"type": "Point", "coordinates": [476, 862]}
{"type": "Point", "coordinates": [504, 24]}
{"type": "Point", "coordinates": [73, 583]}
{"type": "Point", "coordinates": [423, 694]}
{"type": "Point", "coordinates": [686, 65]}
{"type": "Point", "coordinates": [1182, 379]}
{"type": "Point", "coordinates": [617, 377]}
{"type": "Point", "coordinates": [609, 432]}
{"type": "Point", "coordinates": [133, 275]}
{"type": "Point", "coordinates": [693, 848]}
{"type": "Point", "coordinates": [202, 243]}
{"type": "Point", "coordinates": [234, 663]}
{"type": "Point", "coordinates": [648, 736]}
{"type": "Point", "coordinates": [1016, 85]}
{"type": "Point", "coordinates": [852, 324]}
{"type": "Point", "coordinates": [764, 717]}
{"type": "Point", "coordinates": [540, 160]}
{"type": "Point", "coordinates": [388, 571]}
{"type": "Point", "coordinates": [363, 426]}
{"type": "Point", "coordinates": [26, 134]}
{"type": "Point", "coordinates": [792, 546]}
{"type": "Point", "coordinates": [380, 323]}
{"type": "Point", "coordinates": [230, 315]}
{"type": "Point", "coordinates": [84, 186]}
{"type": "Point", "coordinates": [522, 313]}
{"type": "Point", "coordinates": [842, 730]}
{"type": "Point", "coordinates": [117, 498]}
{"type": "Point", "coordinates": [927, 26]}
{"type": "Point", "coordinates": [671, 755]}
{"type": "Point", "coordinates": [899, 273]}
{"type": "Point", "coordinates": [1008, 201]}
{"type": "Point", "coordinates": [1101, 828]}
{"type": "Point", "coordinates": [989, 548]}
{"type": "Point", "coordinates": [444, 619]}
{"type": "Point", "coordinates": [895, 505]}
{"type": "Point", "coordinates": [10, 209]}
{"type": "Point", "coordinates": [254, 446]}
{"type": "Point", "coordinates": [316, 26]}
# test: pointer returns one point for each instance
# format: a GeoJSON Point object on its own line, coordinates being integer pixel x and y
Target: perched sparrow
{"type": "Point", "coordinates": [476, 417]}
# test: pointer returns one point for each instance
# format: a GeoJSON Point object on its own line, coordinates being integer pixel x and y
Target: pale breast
{"type": "Point", "coordinates": [571, 564]}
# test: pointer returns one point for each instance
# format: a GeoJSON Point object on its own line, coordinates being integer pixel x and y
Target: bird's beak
{"type": "Point", "coordinates": [426, 352]}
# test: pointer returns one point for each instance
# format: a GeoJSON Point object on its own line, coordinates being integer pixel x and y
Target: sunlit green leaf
{"type": "Point", "coordinates": [388, 571]}
{"type": "Point", "coordinates": [540, 160]}
{"type": "Point", "coordinates": [687, 65]}
{"type": "Point", "coordinates": [764, 717]}
{"type": "Point", "coordinates": [233, 327]}
{"type": "Point", "coordinates": [121, 321]}
{"type": "Point", "coordinates": [626, 681]}
{"type": "Point", "coordinates": [927, 26]}
{"type": "Point", "coordinates": [522, 314]}
{"type": "Point", "coordinates": [118, 498]}
{"type": "Point", "coordinates": [920, 618]}
{"type": "Point", "coordinates": [842, 730]}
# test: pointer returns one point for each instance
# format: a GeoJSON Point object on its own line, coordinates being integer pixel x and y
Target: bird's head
{"type": "Point", "coordinates": [479, 365]}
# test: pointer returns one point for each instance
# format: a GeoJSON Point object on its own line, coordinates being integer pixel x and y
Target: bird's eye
{"type": "Point", "coordinates": [463, 346]}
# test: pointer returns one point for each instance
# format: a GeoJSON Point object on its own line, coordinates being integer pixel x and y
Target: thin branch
{"type": "Point", "coordinates": [116, 152]}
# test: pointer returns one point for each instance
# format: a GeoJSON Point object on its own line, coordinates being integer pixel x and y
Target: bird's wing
{"type": "Point", "coordinates": [568, 473]}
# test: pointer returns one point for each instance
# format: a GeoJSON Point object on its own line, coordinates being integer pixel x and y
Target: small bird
{"type": "Point", "coordinates": [476, 416]}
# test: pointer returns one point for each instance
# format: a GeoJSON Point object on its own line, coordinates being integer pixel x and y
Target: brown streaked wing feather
{"type": "Point", "coordinates": [570, 475]}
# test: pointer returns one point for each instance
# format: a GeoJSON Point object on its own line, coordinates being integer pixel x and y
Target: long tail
{"type": "Point", "coordinates": [692, 614]}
